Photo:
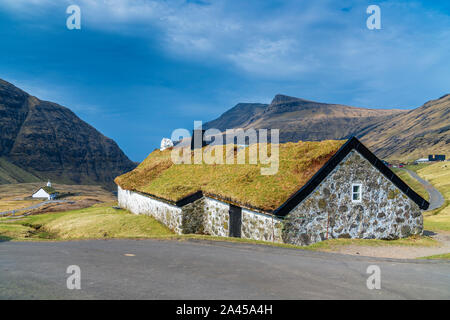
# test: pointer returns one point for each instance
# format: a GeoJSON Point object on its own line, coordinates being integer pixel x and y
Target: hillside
{"type": "Point", "coordinates": [50, 142]}
{"type": "Point", "coordinates": [10, 173]}
{"type": "Point", "coordinates": [391, 134]}
{"type": "Point", "coordinates": [414, 134]}
{"type": "Point", "coordinates": [300, 119]}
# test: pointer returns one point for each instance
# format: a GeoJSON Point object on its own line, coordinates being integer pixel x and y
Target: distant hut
{"type": "Point", "coordinates": [47, 192]}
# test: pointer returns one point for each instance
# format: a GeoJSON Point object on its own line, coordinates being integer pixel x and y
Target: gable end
{"type": "Point", "coordinates": [320, 175]}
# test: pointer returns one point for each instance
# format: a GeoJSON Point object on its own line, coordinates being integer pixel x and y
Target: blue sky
{"type": "Point", "coordinates": [138, 69]}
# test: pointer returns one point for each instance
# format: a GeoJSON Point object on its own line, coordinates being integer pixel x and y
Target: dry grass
{"type": "Point", "coordinates": [96, 222]}
{"type": "Point", "coordinates": [438, 174]}
{"type": "Point", "coordinates": [413, 183]}
{"type": "Point", "coordinates": [18, 196]}
{"type": "Point", "coordinates": [240, 183]}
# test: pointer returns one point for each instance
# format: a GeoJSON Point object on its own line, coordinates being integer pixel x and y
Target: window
{"type": "Point", "coordinates": [356, 192]}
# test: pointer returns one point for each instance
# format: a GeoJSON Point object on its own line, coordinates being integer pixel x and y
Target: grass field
{"type": "Point", "coordinates": [10, 173]}
{"type": "Point", "coordinates": [417, 167]}
{"type": "Point", "coordinates": [96, 222]}
{"type": "Point", "coordinates": [413, 183]}
{"type": "Point", "coordinates": [18, 196]}
{"type": "Point", "coordinates": [438, 174]}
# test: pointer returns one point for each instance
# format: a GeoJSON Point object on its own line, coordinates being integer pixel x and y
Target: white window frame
{"type": "Point", "coordinates": [360, 192]}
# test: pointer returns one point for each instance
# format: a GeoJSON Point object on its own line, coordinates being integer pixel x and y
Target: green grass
{"type": "Point", "coordinates": [417, 167]}
{"type": "Point", "coordinates": [331, 244]}
{"type": "Point", "coordinates": [438, 174]}
{"type": "Point", "coordinates": [97, 222]}
{"type": "Point", "coordinates": [10, 173]}
{"type": "Point", "coordinates": [438, 256]}
{"type": "Point", "coordinates": [241, 183]}
{"type": "Point", "coordinates": [412, 183]}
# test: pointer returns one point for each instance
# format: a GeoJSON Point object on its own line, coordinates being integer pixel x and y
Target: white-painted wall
{"type": "Point", "coordinates": [168, 214]}
{"type": "Point", "coordinates": [41, 193]}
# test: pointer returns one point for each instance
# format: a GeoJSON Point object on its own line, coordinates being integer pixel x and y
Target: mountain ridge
{"type": "Point", "coordinates": [301, 119]}
{"type": "Point", "coordinates": [51, 142]}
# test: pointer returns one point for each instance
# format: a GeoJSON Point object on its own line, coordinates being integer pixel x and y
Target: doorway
{"type": "Point", "coordinates": [235, 221]}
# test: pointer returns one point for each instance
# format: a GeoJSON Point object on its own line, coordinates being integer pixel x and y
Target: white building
{"type": "Point", "coordinates": [46, 192]}
{"type": "Point", "coordinates": [422, 160]}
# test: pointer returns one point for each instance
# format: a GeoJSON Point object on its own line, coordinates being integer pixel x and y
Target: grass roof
{"type": "Point", "coordinates": [240, 183]}
{"type": "Point", "coordinates": [49, 190]}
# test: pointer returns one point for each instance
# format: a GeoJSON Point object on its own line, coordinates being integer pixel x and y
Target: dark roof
{"type": "Point", "coordinates": [351, 144]}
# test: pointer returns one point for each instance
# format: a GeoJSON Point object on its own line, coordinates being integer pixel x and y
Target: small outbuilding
{"type": "Point", "coordinates": [322, 190]}
{"type": "Point", "coordinates": [47, 192]}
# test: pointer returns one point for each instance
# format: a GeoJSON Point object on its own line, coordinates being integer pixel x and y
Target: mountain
{"type": "Point", "coordinates": [236, 116]}
{"type": "Point", "coordinates": [300, 119]}
{"type": "Point", "coordinates": [10, 173]}
{"type": "Point", "coordinates": [49, 141]}
{"type": "Point", "coordinates": [391, 134]}
{"type": "Point", "coordinates": [414, 134]}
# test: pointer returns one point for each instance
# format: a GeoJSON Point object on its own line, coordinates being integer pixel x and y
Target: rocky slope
{"type": "Point", "coordinates": [300, 119]}
{"type": "Point", "coordinates": [391, 134]}
{"type": "Point", "coordinates": [414, 134]}
{"type": "Point", "coordinates": [50, 142]}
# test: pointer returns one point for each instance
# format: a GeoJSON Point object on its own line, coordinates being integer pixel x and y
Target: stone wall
{"type": "Point", "coordinates": [259, 226]}
{"type": "Point", "coordinates": [217, 217]}
{"type": "Point", "coordinates": [203, 216]}
{"type": "Point", "coordinates": [137, 203]}
{"type": "Point", "coordinates": [385, 212]}
{"type": "Point", "coordinates": [193, 220]}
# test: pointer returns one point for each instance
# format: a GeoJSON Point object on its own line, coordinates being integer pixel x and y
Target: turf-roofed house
{"type": "Point", "coordinates": [322, 190]}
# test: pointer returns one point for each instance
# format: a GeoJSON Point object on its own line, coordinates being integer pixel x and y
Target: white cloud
{"type": "Point", "coordinates": [295, 39]}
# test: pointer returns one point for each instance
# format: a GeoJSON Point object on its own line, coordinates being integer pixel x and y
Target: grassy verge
{"type": "Point", "coordinates": [413, 183]}
{"type": "Point", "coordinates": [438, 256]}
{"type": "Point", "coordinates": [103, 222]}
{"type": "Point", "coordinates": [417, 167]}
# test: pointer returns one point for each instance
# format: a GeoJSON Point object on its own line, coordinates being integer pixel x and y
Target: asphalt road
{"type": "Point", "coordinates": [152, 269]}
{"type": "Point", "coordinates": [436, 199]}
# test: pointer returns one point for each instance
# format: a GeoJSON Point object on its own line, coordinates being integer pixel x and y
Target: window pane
{"type": "Point", "coordinates": [355, 188]}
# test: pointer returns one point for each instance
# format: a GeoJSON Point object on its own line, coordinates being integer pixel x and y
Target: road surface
{"type": "Point", "coordinates": [156, 269]}
{"type": "Point", "coordinates": [436, 199]}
